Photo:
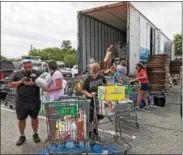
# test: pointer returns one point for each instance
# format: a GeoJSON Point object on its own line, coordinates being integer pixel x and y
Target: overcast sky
{"type": "Point", "coordinates": [46, 24]}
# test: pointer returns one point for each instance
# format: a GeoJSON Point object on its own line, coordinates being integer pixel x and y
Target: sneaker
{"type": "Point", "coordinates": [137, 107]}
{"type": "Point", "coordinates": [21, 140]}
{"type": "Point", "coordinates": [147, 107]}
{"type": "Point", "coordinates": [36, 138]}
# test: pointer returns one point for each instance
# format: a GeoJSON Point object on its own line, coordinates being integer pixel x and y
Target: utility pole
{"type": "Point", "coordinates": [31, 48]}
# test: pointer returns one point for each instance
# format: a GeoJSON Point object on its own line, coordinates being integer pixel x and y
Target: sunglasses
{"type": "Point", "coordinates": [28, 62]}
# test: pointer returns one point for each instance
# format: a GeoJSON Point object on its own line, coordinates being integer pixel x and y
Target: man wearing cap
{"type": "Point", "coordinates": [28, 99]}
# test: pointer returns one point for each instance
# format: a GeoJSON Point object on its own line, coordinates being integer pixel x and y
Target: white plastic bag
{"type": "Point", "coordinates": [43, 80]}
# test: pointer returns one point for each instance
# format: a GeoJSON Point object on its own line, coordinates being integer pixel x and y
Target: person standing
{"type": "Point", "coordinates": [122, 69]}
{"type": "Point", "coordinates": [116, 75]}
{"type": "Point", "coordinates": [108, 56]}
{"type": "Point", "coordinates": [90, 89]}
{"type": "Point", "coordinates": [28, 99]}
{"type": "Point", "coordinates": [55, 89]}
{"type": "Point", "coordinates": [143, 80]}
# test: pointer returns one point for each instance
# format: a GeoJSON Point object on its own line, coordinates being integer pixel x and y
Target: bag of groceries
{"type": "Point", "coordinates": [43, 80]}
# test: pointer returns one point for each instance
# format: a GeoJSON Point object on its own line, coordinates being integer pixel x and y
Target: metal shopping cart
{"type": "Point", "coordinates": [67, 126]}
{"type": "Point", "coordinates": [130, 115]}
{"type": "Point", "coordinates": [68, 129]}
{"type": "Point", "coordinates": [11, 99]}
{"type": "Point", "coordinates": [110, 129]}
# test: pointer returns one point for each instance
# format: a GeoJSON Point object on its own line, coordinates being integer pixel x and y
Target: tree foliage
{"type": "Point", "coordinates": [15, 59]}
{"type": "Point", "coordinates": [3, 58]}
{"type": "Point", "coordinates": [10, 59]}
{"type": "Point", "coordinates": [66, 45]}
{"type": "Point", "coordinates": [48, 53]}
{"type": "Point", "coordinates": [178, 44]}
{"type": "Point", "coordinates": [66, 54]}
{"type": "Point", "coordinates": [70, 59]}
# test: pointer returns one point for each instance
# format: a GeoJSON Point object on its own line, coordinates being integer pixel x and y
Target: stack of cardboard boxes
{"type": "Point", "coordinates": [158, 73]}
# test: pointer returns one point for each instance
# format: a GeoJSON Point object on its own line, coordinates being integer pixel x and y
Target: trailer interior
{"type": "Point", "coordinates": [115, 16]}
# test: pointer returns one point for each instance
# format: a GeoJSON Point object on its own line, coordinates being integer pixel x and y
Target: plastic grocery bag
{"type": "Point", "coordinates": [43, 80]}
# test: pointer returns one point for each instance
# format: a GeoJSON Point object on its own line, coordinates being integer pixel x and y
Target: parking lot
{"type": "Point", "coordinates": [160, 130]}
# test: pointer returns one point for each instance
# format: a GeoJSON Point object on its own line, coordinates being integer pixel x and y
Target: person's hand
{"type": "Point", "coordinates": [24, 79]}
{"type": "Point", "coordinates": [110, 84]}
{"type": "Point", "coordinates": [28, 83]}
{"type": "Point", "coordinates": [93, 94]}
{"type": "Point", "coordinates": [46, 89]}
{"type": "Point", "coordinates": [21, 81]}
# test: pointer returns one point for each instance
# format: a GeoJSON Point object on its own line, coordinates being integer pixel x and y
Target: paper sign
{"type": "Point", "coordinates": [111, 93]}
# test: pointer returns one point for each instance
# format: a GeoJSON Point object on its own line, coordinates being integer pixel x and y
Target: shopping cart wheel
{"type": "Point", "coordinates": [137, 125]}
{"type": "Point", "coordinates": [11, 107]}
{"type": "Point", "coordinates": [126, 152]}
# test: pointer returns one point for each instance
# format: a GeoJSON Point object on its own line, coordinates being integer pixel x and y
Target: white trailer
{"type": "Point", "coordinates": [135, 37]}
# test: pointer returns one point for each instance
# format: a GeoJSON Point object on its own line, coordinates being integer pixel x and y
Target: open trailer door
{"type": "Point", "coordinates": [133, 17]}
{"type": "Point", "coordinates": [97, 28]}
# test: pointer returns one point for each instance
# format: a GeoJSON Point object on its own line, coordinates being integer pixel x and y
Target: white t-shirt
{"type": "Point", "coordinates": [64, 83]}
{"type": "Point", "coordinates": [56, 94]}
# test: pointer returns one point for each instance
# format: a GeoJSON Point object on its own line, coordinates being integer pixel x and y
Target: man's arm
{"type": "Point", "coordinates": [15, 81]}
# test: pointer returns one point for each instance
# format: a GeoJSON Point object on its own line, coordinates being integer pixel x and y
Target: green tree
{"type": "Point", "coordinates": [15, 59]}
{"type": "Point", "coordinates": [66, 54]}
{"type": "Point", "coordinates": [33, 52]}
{"type": "Point", "coordinates": [71, 51]}
{"type": "Point", "coordinates": [70, 59]}
{"type": "Point", "coordinates": [66, 44]}
{"type": "Point", "coordinates": [48, 53]}
{"type": "Point", "coordinates": [178, 44]}
{"type": "Point", "coordinates": [3, 58]}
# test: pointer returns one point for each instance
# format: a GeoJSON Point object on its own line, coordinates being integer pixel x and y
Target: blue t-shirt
{"type": "Point", "coordinates": [115, 77]}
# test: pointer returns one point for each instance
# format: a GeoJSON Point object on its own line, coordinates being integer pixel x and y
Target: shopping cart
{"type": "Point", "coordinates": [130, 115]}
{"type": "Point", "coordinates": [67, 126]}
{"type": "Point", "coordinates": [11, 99]}
{"type": "Point", "coordinates": [68, 129]}
{"type": "Point", "coordinates": [115, 114]}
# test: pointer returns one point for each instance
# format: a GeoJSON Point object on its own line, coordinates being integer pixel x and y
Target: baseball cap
{"type": "Point", "coordinates": [27, 61]}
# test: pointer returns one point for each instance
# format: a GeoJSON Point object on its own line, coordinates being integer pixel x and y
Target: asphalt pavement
{"type": "Point", "coordinates": [160, 130]}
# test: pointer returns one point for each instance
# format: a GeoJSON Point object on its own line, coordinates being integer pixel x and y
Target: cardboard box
{"type": "Point", "coordinates": [111, 93]}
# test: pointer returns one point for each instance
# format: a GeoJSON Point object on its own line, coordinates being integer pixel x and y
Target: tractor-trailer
{"type": "Point", "coordinates": [134, 36]}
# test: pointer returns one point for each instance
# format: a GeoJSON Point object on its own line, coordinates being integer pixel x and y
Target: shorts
{"type": "Point", "coordinates": [144, 87]}
{"type": "Point", "coordinates": [23, 109]}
